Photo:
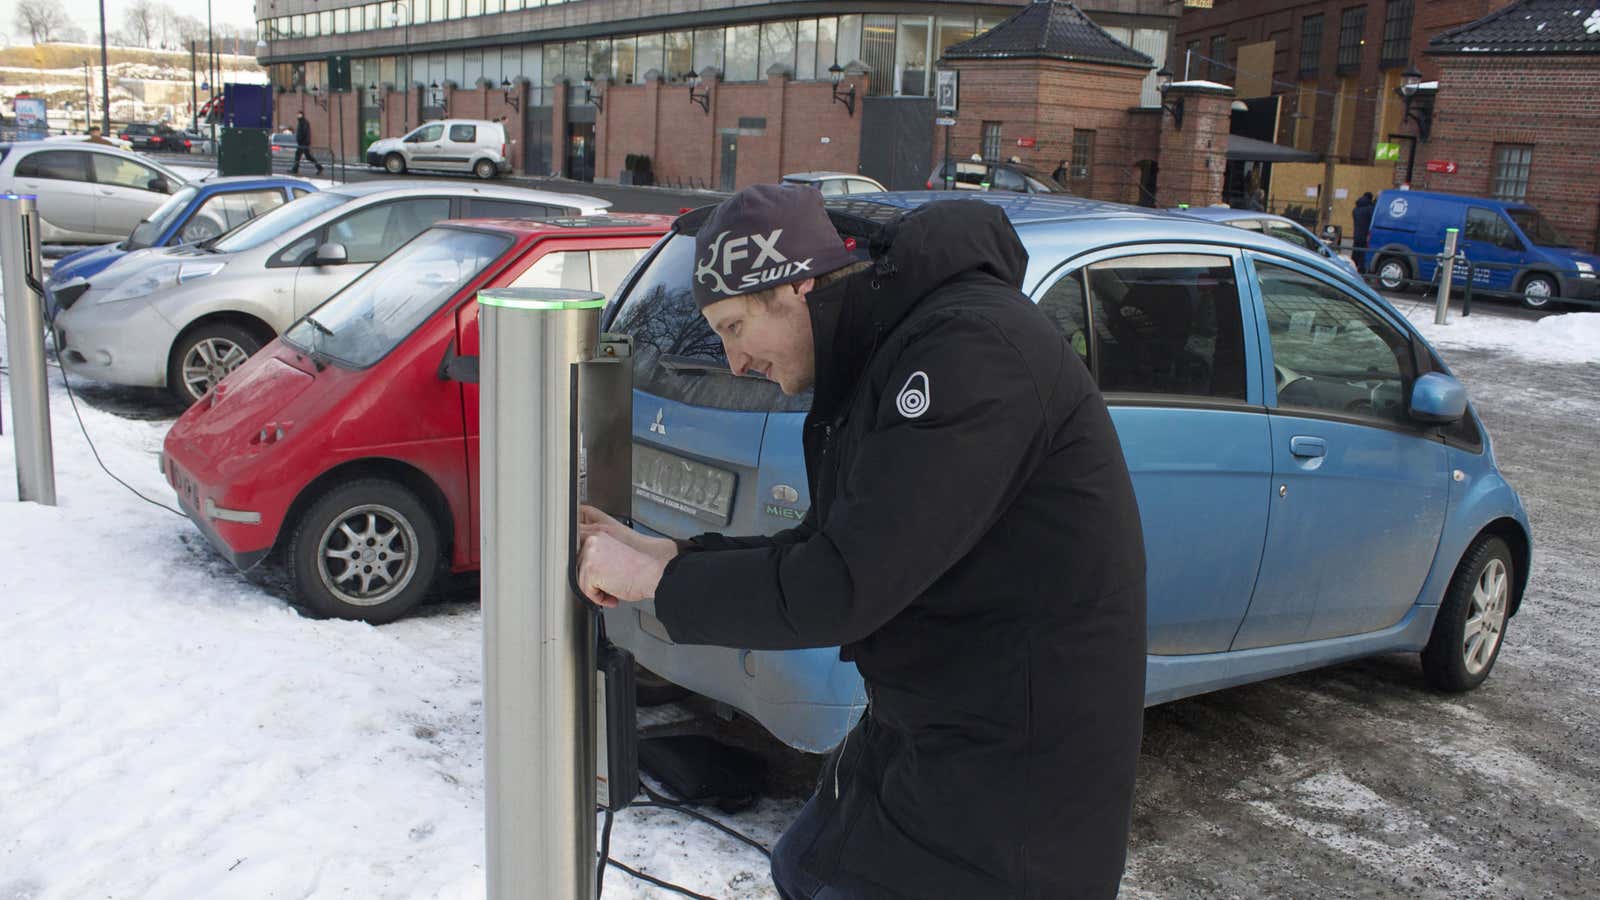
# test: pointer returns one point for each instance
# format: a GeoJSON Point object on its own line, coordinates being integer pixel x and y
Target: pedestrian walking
{"type": "Point", "coordinates": [973, 545]}
{"type": "Point", "coordinates": [302, 146]}
{"type": "Point", "coordinates": [1361, 218]}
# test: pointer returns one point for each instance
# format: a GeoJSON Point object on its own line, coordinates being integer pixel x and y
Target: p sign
{"type": "Point", "coordinates": [946, 89]}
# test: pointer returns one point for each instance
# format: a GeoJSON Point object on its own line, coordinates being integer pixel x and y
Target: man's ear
{"type": "Point", "coordinates": [802, 288]}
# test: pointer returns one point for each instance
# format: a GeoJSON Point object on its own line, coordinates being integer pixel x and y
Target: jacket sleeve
{"type": "Point", "coordinates": [713, 541]}
{"type": "Point", "coordinates": [959, 428]}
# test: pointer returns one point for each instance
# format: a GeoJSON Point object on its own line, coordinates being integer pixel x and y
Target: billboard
{"type": "Point", "coordinates": [30, 113]}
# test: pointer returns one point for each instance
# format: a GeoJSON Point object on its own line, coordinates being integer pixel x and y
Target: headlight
{"type": "Point", "coordinates": [1585, 268]}
{"type": "Point", "coordinates": [160, 277]}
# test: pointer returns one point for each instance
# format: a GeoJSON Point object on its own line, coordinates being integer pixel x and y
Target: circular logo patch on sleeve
{"type": "Point", "coordinates": [914, 397]}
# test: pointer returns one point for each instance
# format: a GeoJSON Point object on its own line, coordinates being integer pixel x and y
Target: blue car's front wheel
{"type": "Point", "coordinates": [1471, 625]}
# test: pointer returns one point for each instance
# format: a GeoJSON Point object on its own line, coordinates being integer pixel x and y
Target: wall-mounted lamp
{"type": "Point", "coordinates": [589, 94]}
{"type": "Point", "coordinates": [848, 98]}
{"type": "Point", "coordinates": [703, 98]}
{"type": "Point", "coordinates": [1415, 110]}
{"type": "Point", "coordinates": [319, 96]}
{"type": "Point", "coordinates": [376, 95]}
{"type": "Point", "coordinates": [1163, 84]}
{"type": "Point", "coordinates": [512, 101]}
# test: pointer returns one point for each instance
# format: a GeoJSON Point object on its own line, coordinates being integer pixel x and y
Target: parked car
{"type": "Point", "coordinates": [450, 145]}
{"type": "Point", "coordinates": [1280, 227]}
{"type": "Point", "coordinates": [119, 143]}
{"type": "Point", "coordinates": [1332, 495]}
{"type": "Point", "coordinates": [992, 175]}
{"type": "Point", "coordinates": [183, 317]}
{"type": "Point", "coordinates": [348, 424]}
{"type": "Point", "coordinates": [149, 136]}
{"type": "Point", "coordinates": [88, 193]}
{"type": "Point", "coordinates": [835, 184]}
{"type": "Point", "coordinates": [283, 145]}
{"type": "Point", "coordinates": [196, 212]}
{"type": "Point", "coordinates": [1526, 253]}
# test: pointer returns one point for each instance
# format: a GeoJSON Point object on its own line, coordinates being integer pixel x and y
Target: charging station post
{"type": "Point", "coordinates": [538, 637]}
{"type": "Point", "coordinates": [23, 272]}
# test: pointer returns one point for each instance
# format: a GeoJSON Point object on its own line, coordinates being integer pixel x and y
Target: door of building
{"type": "Point", "coordinates": [538, 157]}
{"type": "Point", "coordinates": [895, 148]}
{"type": "Point", "coordinates": [730, 161]}
{"type": "Point", "coordinates": [580, 151]}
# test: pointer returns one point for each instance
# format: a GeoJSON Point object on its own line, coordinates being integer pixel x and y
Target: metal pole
{"type": "Point", "coordinates": [538, 635]}
{"type": "Point", "coordinates": [105, 80]}
{"type": "Point", "coordinates": [23, 272]}
{"type": "Point", "coordinates": [1441, 307]}
{"type": "Point", "coordinates": [194, 90]}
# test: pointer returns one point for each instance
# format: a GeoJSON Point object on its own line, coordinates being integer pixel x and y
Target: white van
{"type": "Point", "coordinates": [447, 145]}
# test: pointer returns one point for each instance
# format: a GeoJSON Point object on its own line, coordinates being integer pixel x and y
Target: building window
{"type": "Point", "coordinates": [877, 51]}
{"type": "Point", "coordinates": [911, 57]}
{"type": "Point", "coordinates": [744, 50]}
{"type": "Point", "coordinates": [1310, 45]}
{"type": "Point", "coordinates": [1217, 69]}
{"type": "Point", "coordinates": [1352, 23]}
{"type": "Point", "coordinates": [707, 50]}
{"type": "Point", "coordinates": [1397, 33]}
{"type": "Point", "coordinates": [677, 53]}
{"type": "Point", "coordinates": [1082, 152]}
{"type": "Point", "coordinates": [1511, 165]}
{"type": "Point", "coordinates": [991, 140]}
{"type": "Point", "coordinates": [777, 46]}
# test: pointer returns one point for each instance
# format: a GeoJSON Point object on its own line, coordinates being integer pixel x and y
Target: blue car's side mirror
{"type": "Point", "coordinates": [1438, 399]}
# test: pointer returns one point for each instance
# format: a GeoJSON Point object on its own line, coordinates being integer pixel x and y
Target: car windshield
{"type": "Point", "coordinates": [359, 325]}
{"type": "Point", "coordinates": [1046, 184]}
{"type": "Point", "coordinates": [272, 225]}
{"type": "Point", "coordinates": [147, 232]}
{"type": "Point", "coordinates": [1537, 228]}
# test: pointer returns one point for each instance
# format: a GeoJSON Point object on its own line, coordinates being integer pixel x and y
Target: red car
{"type": "Point", "coordinates": [342, 443]}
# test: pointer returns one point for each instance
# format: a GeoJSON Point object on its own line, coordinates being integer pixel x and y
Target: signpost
{"type": "Point", "coordinates": [1442, 166]}
{"type": "Point", "coordinates": [1027, 142]}
{"type": "Point", "coordinates": [946, 91]}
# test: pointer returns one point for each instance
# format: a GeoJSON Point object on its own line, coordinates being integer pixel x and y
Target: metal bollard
{"type": "Point", "coordinates": [539, 705]}
{"type": "Point", "coordinates": [1447, 263]}
{"type": "Point", "coordinates": [23, 274]}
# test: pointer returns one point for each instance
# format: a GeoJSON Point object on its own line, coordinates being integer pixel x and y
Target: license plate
{"type": "Point", "coordinates": [697, 489]}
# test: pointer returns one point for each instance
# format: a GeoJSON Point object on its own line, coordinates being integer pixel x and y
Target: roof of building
{"type": "Point", "coordinates": [1527, 28]}
{"type": "Point", "coordinates": [1050, 29]}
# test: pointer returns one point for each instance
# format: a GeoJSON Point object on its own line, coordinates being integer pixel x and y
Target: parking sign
{"type": "Point", "coordinates": [946, 90]}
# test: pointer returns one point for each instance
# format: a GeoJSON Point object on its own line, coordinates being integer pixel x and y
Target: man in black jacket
{"type": "Point", "coordinates": [1361, 218]}
{"type": "Point", "coordinates": [302, 146]}
{"type": "Point", "coordinates": [973, 544]}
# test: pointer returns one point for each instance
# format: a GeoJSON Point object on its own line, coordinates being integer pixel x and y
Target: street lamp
{"type": "Point", "coordinates": [394, 22]}
{"type": "Point", "coordinates": [1410, 85]}
{"type": "Point", "coordinates": [702, 99]}
{"type": "Point", "coordinates": [513, 101]}
{"type": "Point", "coordinates": [848, 98]}
{"type": "Point", "coordinates": [589, 94]}
{"type": "Point", "coordinates": [1164, 84]}
{"type": "Point", "coordinates": [376, 95]}
{"type": "Point", "coordinates": [319, 97]}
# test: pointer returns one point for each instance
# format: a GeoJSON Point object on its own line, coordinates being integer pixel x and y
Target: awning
{"type": "Point", "coordinates": [1242, 149]}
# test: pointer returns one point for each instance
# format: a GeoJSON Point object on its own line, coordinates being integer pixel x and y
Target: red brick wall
{"type": "Point", "coordinates": [1046, 100]}
{"type": "Point", "coordinates": [400, 110]}
{"type": "Point", "coordinates": [1194, 157]}
{"type": "Point", "coordinates": [684, 142]}
{"type": "Point", "coordinates": [1551, 104]}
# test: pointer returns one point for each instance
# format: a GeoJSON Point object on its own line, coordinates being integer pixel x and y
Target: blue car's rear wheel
{"type": "Point", "coordinates": [1471, 625]}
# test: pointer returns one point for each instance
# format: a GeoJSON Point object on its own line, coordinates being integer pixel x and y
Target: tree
{"type": "Point", "coordinates": [140, 22]}
{"type": "Point", "coordinates": [43, 20]}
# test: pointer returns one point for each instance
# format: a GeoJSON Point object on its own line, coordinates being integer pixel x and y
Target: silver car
{"type": "Point", "coordinates": [450, 145]}
{"type": "Point", "coordinates": [183, 317]}
{"type": "Point", "coordinates": [88, 193]}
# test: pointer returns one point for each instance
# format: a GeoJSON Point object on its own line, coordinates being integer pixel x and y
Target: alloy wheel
{"type": "Point", "coordinates": [367, 555]}
{"type": "Point", "coordinates": [208, 361]}
{"type": "Point", "coordinates": [1486, 617]}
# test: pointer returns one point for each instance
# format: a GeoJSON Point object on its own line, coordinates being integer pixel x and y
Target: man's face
{"type": "Point", "coordinates": [768, 337]}
{"type": "Point", "coordinates": [95, 131]}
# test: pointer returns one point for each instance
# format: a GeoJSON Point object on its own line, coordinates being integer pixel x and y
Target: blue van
{"type": "Point", "coordinates": [1527, 254]}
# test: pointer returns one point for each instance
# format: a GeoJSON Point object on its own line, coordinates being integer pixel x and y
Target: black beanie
{"type": "Point", "coordinates": [764, 236]}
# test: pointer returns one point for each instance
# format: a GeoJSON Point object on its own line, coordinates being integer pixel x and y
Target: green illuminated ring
{"type": "Point", "coordinates": [541, 299]}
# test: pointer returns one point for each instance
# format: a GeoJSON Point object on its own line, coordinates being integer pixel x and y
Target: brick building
{"type": "Point", "coordinates": [1518, 112]}
{"type": "Point", "coordinates": [1329, 69]}
{"type": "Point", "coordinates": [764, 103]}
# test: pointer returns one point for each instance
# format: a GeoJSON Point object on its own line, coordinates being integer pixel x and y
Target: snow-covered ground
{"type": "Point", "coordinates": [169, 729]}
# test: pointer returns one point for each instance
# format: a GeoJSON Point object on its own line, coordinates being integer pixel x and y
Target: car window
{"type": "Point", "coordinates": [1064, 303]}
{"type": "Point", "coordinates": [567, 269]}
{"type": "Point", "coordinates": [857, 186]}
{"type": "Point", "coordinates": [427, 134]}
{"type": "Point", "coordinates": [363, 322]}
{"type": "Point", "coordinates": [1007, 180]}
{"type": "Point", "coordinates": [1488, 226]}
{"type": "Point", "coordinates": [372, 233]}
{"type": "Point", "coordinates": [481, 208]}
{"type": "Point", "coordinates": [463, 134]}
{"type": "Point", "coordinates": [299, 192]}
{"type": "Point", "coordinates": [224, 212]}
{"type": "Point", "coordinates": [831, 187]}
{"type": "Point", "coordinates": [63, 165]}
{"type": "Point", "coordinates": [120, 172]}
{"type": "Point", "coordinates": [676, 355]}
{"type": "Point", "coordinates": [1168, 324]}
{"type": "Point", "coordinates": [1294, 236]}
{"type": "Point", "coordinates": [273, 225]}
{"type": "Point", "coordinates": [1247, 224]}
{"type": "Point", "coordinates": [1330, 352]}
{"type": "Point", "coordinates": [147, 231]}
{"type": "Point", "coordinates": [1035, 186]}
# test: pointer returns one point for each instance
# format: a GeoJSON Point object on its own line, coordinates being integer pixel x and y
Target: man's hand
{"type": "Point", "coordinates": [610, 571]}
{"type": "Point", "coordinates": [592, 521]}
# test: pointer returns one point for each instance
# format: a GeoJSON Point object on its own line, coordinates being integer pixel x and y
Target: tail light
{"type": "Point", "coordinates": [502, 151]}
{"type": "Point", "coordinates": [188, 144]}
{"type": "Point", "coordinates": [930, 184]}
{"type": "Point", "coordinates": [155, 140]}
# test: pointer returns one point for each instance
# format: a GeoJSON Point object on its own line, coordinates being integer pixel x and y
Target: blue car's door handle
{"type": "Point", "coordinates": [1308, 447]}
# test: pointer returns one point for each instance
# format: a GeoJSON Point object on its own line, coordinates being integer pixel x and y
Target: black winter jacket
{"type": "Point", "coordinates": [302, 133]}
{"type": "Point", "coordinates": [974, 546]}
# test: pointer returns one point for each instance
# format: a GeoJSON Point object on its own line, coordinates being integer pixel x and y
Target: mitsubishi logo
{"type": "Point", "coordinates": [656, 427]}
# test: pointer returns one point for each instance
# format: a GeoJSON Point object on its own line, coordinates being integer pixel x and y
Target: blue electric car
{"type": "Point", "coordinates": [1313, 484]}
{"type": "Point", "coordinates": [1522, 252]}
{"type": "Point", "coordinates": [199, 211]}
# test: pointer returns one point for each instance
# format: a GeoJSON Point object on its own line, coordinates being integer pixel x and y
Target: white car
{"type": "Point", "coordinates": [118, 142]}
{"type": "Point", "coordinates": [88, 193]}
{"type": "Point", "coordinates": [835, 184]}
{"type": "Point", "coordinates": [448, 145]}
{"type": "Point", "coordinates": [183, 317]}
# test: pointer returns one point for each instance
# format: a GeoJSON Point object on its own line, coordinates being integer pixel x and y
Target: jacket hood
{"type": "Point", "coordinates": [930, 246]}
